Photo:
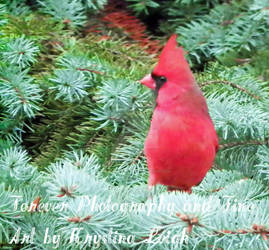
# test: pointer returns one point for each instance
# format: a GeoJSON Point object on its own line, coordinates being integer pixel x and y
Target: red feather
{"type": "Point", "coordinates": [182, 142]}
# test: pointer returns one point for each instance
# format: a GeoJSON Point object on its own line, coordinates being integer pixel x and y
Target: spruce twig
{"type": "Point", "coordinates": [234, 85]}
{"type": "Point", "coordinates": [243, 143]}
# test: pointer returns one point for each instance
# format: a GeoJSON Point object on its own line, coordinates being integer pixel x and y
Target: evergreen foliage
{"type": "Point", "coordinates": [18, 93]}
{"type": "Point", "coordinates": [70, 85]}
{"type": "Point", "coordinates": [142, 6]}
{"type": "Point", "coordinates": [18, 8]}
{"type": "Point", "coordinates": [96, 4]}
{"type": "Point", "coordinates": [20, 52]}
{"type": "Point", "coordinates": [68, 11]}
{"type": "Point", "coordinates": [2, 14]}
{"type": "Point", "coordinates": [74, 119]}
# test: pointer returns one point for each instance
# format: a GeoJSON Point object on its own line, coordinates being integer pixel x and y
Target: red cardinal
{"type": "Point", "coordinates": [182, 142]}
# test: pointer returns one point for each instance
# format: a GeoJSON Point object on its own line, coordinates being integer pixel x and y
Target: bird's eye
{"type": "Point", "coordinates": [162, 79]}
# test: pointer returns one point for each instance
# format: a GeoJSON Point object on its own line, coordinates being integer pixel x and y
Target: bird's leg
{"type": "Point", "coordinates": [151, 187]}
{"type": "Point", "coordinates": [189, 191]}
{"type": "Point", "coordinates": [172, 188]}
{"type": "Point", "coordinates": [151, 191]}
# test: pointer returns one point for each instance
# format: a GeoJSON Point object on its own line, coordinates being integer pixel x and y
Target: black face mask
{"type": "Point", "coordinates": [159, 81]}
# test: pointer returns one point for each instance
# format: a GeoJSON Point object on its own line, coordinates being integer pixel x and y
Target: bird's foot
{"type": "Point", "coordinates": [173, 188]}
{"type": "Point", "coordinates": [151, 191]}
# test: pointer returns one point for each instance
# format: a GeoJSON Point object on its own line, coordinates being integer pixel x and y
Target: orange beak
{"type": "Point", "coordinates": [148, 81]}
